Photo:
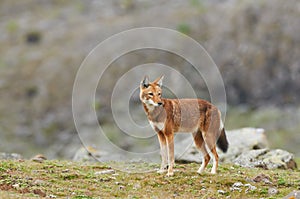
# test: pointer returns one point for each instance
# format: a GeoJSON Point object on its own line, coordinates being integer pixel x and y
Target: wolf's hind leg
{"type": "Point", "coordinates": [210, 142]}
{"type": "Point", "coordinates": [199, 142]}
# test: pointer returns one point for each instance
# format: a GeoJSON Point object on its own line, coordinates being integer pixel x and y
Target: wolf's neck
{"type": "Point", "coordinates": [154, 113]}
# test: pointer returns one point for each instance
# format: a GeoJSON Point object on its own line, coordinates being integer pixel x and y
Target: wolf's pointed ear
{"type": "Point", "coordinates": [145, 82]}
{"type": "Point", "coordinates": [159, 80]}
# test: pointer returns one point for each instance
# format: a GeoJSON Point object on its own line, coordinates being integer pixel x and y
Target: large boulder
{"type": "Point", "coordinates": [266, 158]}
{"type": "Point", "coordinates": [248, 147]}
{"type": "Point", "coordinates": [293, 195]}
{"type": "Point", "coordinates": [240, 140]}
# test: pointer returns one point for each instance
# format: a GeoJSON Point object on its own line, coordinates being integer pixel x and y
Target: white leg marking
{"type": "Point", "coordinates": [164, 158]}
{"type": "Point", "coordinates": [201, 169]}
{"type": "Point", "coordinates": [214, 168]}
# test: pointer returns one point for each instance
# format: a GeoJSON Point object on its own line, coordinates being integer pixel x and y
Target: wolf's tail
{"type": "Point", "coordinates": [222, 141]}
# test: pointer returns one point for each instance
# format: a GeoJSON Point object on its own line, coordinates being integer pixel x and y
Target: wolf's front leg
{"type": "Point", "coordinates": [170, 145]}
{"type": "Point", "coordinates": [163, 152]}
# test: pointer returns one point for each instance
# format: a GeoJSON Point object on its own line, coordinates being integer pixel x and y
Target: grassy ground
{"type": "Point", "coordinates": [62, 179]}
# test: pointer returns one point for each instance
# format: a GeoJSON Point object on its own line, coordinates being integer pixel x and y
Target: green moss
{"type": "Point", "coordinates": [198, 4]}
{"type": "Point", "coordinates": [281, 181]}
{"type": "Point", "coordinates": [12, 26]}
{"type": "Point", "coordinates": [264, 191]}
{"type": "Point", "coordinates": [184, 28]}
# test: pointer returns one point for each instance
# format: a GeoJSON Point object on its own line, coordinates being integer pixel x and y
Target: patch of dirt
{"type": "Point", "coordinates": [6, 187]}
{"type": "Point", "coordinates": [23, 191]}
{"type": "Point", "coordinates": [39, 192]}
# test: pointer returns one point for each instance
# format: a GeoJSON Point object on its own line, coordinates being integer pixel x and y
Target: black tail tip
{"type": "Point", "coordinates": [222, 141]}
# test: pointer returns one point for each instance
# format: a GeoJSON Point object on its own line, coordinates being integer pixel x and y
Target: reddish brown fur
{"type": "Point", "coordinates": [169, 116]}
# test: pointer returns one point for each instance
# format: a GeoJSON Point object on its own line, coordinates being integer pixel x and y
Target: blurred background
{"type": "Point", "coordinates": [255, 44]}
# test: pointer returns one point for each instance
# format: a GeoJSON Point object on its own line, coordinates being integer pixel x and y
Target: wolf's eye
{"type": "Point", "coordinates": [159, 94]}
{"type": "Point", "coordinates": [151, 94]}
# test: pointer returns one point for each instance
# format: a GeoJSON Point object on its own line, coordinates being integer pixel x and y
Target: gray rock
{"type": "Point", "coordinates": [236, 186]}
{"type": "Point", "coordinates": [293, 194]}
{"type": "Point", "coordinates": [273, 191]}
{"type": "Point", "coordinates": [240, 140]}
{"type": "Point", "coordinates": [39, 182]}
{"type": "Point", "coordinates": [266, 158]}
{"type": "Point", "coordinates": [38, 158]}
{"type": "Point", "coordinates": [247, 148]}
{"type": "Point", "coordinates": [220, 191]}
{"type": "Point", "coordinates": [262, 178]}
{"type": "Point", "coordinates": [10, 156]}
{"type": "Point", "coordinates": [250, 187]}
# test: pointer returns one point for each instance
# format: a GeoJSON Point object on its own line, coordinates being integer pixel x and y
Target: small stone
{"type": "Point", "coordinates": [272, 191]}
{"type": "Point", "coordinates": [39, 158]}
{"type": "Point", "coordinates": [28, 178]}
{"type": "Point", "coordinates": [51, 196]}
{"type": "Point", "coordinates": [250, 187]}
{"type": "Point", "coordinates": [16, 186]}
{"type": "Point", "coordinates": [121, 187]}
{"type": "Point", "coordinates": [65, 171]}
{"type": "Point", "coordinates": [109, 171]}
{"type": "Point", "coordinates": [39, 182]}
{"type": "Point", "coordinates": [236, 186]}
{"type": "Point", "coordinates": [221, 192]}
{"type": "Point", "coordinates": [262, 178]}
{"type": "Point", "coordinates": [137, 186]}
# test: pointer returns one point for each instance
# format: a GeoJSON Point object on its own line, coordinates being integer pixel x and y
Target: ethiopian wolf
{"type": "Point", "coordinates": [168, 116]}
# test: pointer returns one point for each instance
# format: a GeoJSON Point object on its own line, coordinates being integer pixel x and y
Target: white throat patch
{"type": "Point", "coordinates": [150, 102]}
{"type": "Point", "coordinates": [159, 125]}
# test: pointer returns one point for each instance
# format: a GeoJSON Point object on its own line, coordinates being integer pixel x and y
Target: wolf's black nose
{"type": "Point", "coordinates": [159, 103]}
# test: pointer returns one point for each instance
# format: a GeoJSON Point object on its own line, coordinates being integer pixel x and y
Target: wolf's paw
{"type": "Point", "coordinates": [169, 174]}
{"type": "Point", "coordinates": [201, 170]}
{"type": "Point", "coordinates": [213, 172]}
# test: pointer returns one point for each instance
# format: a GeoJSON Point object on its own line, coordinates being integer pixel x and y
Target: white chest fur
{"type": "Point", "coordinates": [158, 125]}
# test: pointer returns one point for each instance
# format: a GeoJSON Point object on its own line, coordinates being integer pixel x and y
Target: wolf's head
{"type": "Point", "coordinates": [150, 92]}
